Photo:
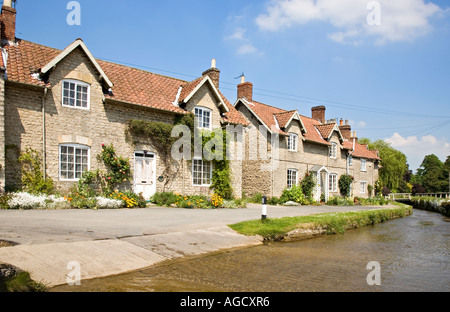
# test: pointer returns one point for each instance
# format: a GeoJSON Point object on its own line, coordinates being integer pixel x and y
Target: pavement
{"type": "Point", "coordinates": [110, 242]}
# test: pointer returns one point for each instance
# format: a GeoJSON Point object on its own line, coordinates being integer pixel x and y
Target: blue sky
{"type": "Point", "coordinates": [391, 79]}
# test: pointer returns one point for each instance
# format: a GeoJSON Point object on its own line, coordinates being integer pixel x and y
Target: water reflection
{"type": "Point", "coordinates": [413, 253]}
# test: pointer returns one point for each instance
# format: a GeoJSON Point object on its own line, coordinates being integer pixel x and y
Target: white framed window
{"type": "Point", "coordinates": [332, 181]}
{"type": "Point", "coordinates": [74, 160]}
{"type": "Point", "coordinates": [203, 117]}
{"type": "Point", "coordinates": [201, 172]}
{"type": "Point", "coordinates": [292, 142]}
{"type": "Point", "coordinates": [333, 150]}
{"type": "Point", "coordinates": [363, 165]}
{"type": "Point", "coordinates": [363, 187]}
{"type": "Point", "coordinates": [75, 94]}
{"type": "Point", "coordinates": [350, 160]}
{"type": "Point", "coordinates": [292, 175]}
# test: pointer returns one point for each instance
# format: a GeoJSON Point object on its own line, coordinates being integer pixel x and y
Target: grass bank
{"type": "Point", "coordinates": [327, 223]}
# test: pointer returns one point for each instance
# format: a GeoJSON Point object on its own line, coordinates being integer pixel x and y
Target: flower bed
{"type": "Point", "coordinates": [27, 201]}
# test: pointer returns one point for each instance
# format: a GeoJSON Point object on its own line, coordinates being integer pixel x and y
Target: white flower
{"type": "Point", "coordinates": [107, 203]}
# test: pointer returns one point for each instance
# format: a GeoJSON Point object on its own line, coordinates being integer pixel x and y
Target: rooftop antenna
{"type": "Point", "coordinates": [242, 77]}
{"type": "Point", "coordinates": [14, 3]}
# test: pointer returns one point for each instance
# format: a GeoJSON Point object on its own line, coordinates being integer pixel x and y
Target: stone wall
{"type": "Point", "coordinates": [105, 122]}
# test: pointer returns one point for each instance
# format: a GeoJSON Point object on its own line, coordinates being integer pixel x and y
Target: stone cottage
{"type": "Point", "coordinates": [66, 104]}
{"type": "Point", "coordinates": [303, 145]}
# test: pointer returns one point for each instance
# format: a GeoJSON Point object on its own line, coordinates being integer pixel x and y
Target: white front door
{"type": "Point", "coordinates": [145, 174]}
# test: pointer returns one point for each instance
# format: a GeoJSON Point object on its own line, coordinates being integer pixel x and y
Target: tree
{"type": "Point", "coordinates": [432, 174]}
{"type": "Point", "coordinates": [394, 164]}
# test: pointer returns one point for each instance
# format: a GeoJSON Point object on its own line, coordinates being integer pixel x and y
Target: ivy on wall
{"type": "Point", "coordinates": [159, 135]}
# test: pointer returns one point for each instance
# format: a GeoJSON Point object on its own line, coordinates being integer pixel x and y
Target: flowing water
{"type": "Point", "coordinates": [413, 252]}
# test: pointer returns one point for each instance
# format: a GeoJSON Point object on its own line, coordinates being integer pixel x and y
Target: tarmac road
{"type": "Point", "coordinates": [108, 242]}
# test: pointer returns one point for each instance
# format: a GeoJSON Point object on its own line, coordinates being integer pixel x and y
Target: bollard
{"type": "Point", "coordinates": [264, 208]}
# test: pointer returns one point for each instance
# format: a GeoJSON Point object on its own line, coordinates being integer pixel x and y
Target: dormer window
{"type": "Point", "coordinates": [203, 117]}
{"type": "Point", "coordinates": [333, 150]}
{"type": "Point", "coordinates": [292, 142]}
{"type": "Point", "coordinates": [75, 94]}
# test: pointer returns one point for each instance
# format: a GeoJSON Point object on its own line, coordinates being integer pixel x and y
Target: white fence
{"type": "Point", "coordinates": [395, 196]}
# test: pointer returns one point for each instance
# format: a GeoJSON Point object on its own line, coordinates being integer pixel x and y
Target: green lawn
{"type": "Point", "coordinates": [277, 229]}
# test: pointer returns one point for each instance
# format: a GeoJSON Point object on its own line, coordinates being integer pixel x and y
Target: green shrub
{"type": "Point", "coordinates": [339, 201]}
{"type": "Point", "coordinates": [274, 201]}
{"type": "Point", "coordinates": [345, 183]}
{"type": "Point", "coordinates": [294, 194]}
{"type": "Point", "coordinates": [164, 199]}
{"type": "Point", "coordinates": [33, 180]}
{"type": "Point", "coordinates": [308, 184]}
{"type": "Point", "coordinates": [256, 199]}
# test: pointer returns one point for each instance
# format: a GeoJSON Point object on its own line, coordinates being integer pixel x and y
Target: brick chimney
{"type": "Point", "coordinates": [213, 73]}
{"type": "Point", "coordinates": [8, 22]}
{"type": "Point", "coordinates": [346, 130]}
{"type": "Point", "coordinates": [318, 113]}
{"type": "Point", "coordinates": [245, 90]}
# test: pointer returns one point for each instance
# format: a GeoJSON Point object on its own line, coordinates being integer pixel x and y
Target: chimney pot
{"type": "Point", "coordinates": [8, 22]}
{"type": "Point", "coordinates": [213, 73]}
{"type": "Point", "coordinates": [245, 90]}
{"type": "Point", "coordinates": [318, 113]}
{"type": "Point", "coordinates": [342, 122]}
{"type": "Point", "coordinates": [242, 79]}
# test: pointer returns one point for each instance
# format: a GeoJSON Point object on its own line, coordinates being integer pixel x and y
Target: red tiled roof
{"type": "Point", "coordinates": [312, 133]}
{"type": "Point", "coordinates": [267, 114]}
{"type": "Point", "coordinates": [284, 118]}
{"type": "Point", "coordinates": [131, 85]}
{"type": "Point", "coordinates": [27, 58]}
{"type": "Point", "coordinates": [326, 129]}
{"type": "Point", "coordinates": [361, 151]}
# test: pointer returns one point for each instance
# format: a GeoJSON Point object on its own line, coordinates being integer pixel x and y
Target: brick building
{"type": "Point", "coordinates": [66, 104]}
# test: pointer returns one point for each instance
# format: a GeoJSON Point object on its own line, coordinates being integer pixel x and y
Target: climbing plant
{"type": "Point", "coordinates": [33, 180]}
{"type": "Point", "coordinates": [159, 135]}
{"type": "Point", "coordinates": [345, 184]}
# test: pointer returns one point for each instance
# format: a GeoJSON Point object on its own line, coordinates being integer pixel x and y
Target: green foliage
{"type": "Point", "coordinates": [308, 184]}
{"type": "Point", "coordinates": [4, 199]}
{"type": "Point", "coordinates": [370, 190]}
{"type": "Point", "coordinates": [373, 201]}
{"type": "Point", "coordinates": [294, 194]}
{"type": "Point", "coordinates": [164, 199]}
{"type": "Point", "coordinates": [118, 167]}
{"type": "Point", "coordinates": [433, 174]}
{"type": "Point", "coordinates": [33, 180]}
{"type": "Point", "coordinates": [345, 184]}
{"type": "Point", "coordinates": [339, 201]}
{"type": "Point", "coordinates": [394, 163]}
{"type": "Point", "coordinates": [221, 177]}
{"type": "Point", "coordinates": [21, 282]}
{"type": "Point", "coordinates": [159, 134]}
{"type": "Point", "coordinates": [80, 202]}
{"type": "Point", "coordinates": [332, 223]}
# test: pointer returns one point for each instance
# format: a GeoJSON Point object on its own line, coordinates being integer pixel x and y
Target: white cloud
{"type": "Point", "coordinates": [416, 148]}
{"type": "Point", "coordinates": [237, 35]}
{"type": "Point", "coordinates": [244, 46]}
{"type": "Point", "coordinates": [400, 20]}
{"type": "Point", "coordinates": [247, 49]}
